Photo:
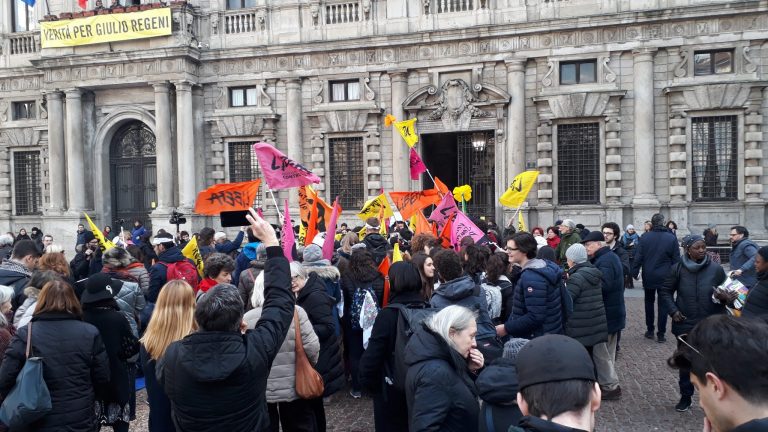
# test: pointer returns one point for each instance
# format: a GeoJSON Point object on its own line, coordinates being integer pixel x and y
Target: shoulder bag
{"type": "Point", "coordinates": [309, 383]}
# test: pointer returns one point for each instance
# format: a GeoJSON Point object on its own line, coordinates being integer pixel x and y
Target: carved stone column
{"type": "Point", "coordinates": [644, 125]}
{"type": "Point", "coordinates": [57, 163]}
{"type": "Point", "coordinates": [185, 145]}
{"type": "Point", "coordinates": [515, 160]}
{"type": "Point", "coordinates": [544, 161]}
{"type": "Point", "coordinates": [294, 136]}
{"type": "Point", "coordinates": [400, 159]}
{"type": "Point", "coordinates": [75, 151]}
{"type": "Point", "coordinates": [164, 147]}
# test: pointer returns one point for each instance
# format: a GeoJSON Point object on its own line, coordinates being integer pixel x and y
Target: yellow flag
{"type": "Point", "coordinates": [407, 130]}
{"type": "Point", "coordinates": [521, 223]}
{"type": "Point", "coordinates": [361, 233]}
{"type": "Point", "coordinates": [192, 252]}
{"type": "Point", "coordinates": [519, 189]}
{"type": "Point", "coordinates": [373, 208]}
{"type": "Point", "coordinates": [412, 224]}
{"type": "Point", "coordinates": [104, 244]}
{"type": "Point", "coordinates": [396, 255]}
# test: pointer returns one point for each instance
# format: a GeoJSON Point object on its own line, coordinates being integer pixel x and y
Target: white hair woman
{"type": "Point", "coordinates": [6, 328]}
{"type": "Point", "coordinates": [284, 405]}
{"type": "Point", "coordinates": [443, 362]}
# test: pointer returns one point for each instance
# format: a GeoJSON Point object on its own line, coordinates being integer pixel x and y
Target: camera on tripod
{"type": "Point", "coordinates": [119, 222]}
{"type": "Point", "coordinates": [177, 218]}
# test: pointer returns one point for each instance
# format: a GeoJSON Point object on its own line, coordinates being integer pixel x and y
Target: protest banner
{"type": "Point", "coordinates": [407, 129]}
{"type": "Point", "coordinates": [106, 28]}
{"type": "Point", "coordinates": [408, 203]}
{"type": "Point", "coordinates": [373, 208]}
{"type": "Point", "coordinates": [192, 251]}
{"type": "Point", "coordinates": [518, 190]}
{"type": "Point", "coordinates": [417, 165]}
{"type": "Point", "coordinates": [227, 197]}
{"type": "Point", "coordinates": [279, 171]}
{"type": "Point", "coordinates": [444, 210]}
{"type": "Point", "coordinates": [104, 244]}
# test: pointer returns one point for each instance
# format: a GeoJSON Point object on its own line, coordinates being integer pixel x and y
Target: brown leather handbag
{"type": "Point", "coordinates": [309, 383]}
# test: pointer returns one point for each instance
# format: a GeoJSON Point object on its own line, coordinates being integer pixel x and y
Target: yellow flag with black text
{"type": "Point", "coordinates": [521, 223]}
{"type": "Point", "coordinates": [407, 129]}
{"type": "Point", "coordinates": [373, 208]}
{"type": "Point", "coordinates": [192, 251]}
{"type": "Point", "coordinates": [519, 189]}
{"type": "Point", "coordinates": [104, 244]}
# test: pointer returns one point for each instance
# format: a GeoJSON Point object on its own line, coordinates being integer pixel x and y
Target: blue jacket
{"type": "Point", "coordinates": [243, 261]}
{"type": "Point", "coordinates": [136, 234]}
{"type": "Point", "coordinates": [656, 252]}
{"type": "Point", "coordinates": [536, 305]}
{"type": "Point", "coordinates": [158, 272]}
{"type": "Point", "coordinates": [465, 292]}
{"type": "Point", "coordinates": [609, 265]}
{"type": "Point", "coordinates": [743, 258]}
{"type": "Point", "coordinates": [230, 246]}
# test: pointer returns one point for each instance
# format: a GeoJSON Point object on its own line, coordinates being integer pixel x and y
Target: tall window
{"type": "Point", "coordinates": [27, 181]}
{"type": "Point", "coordinates": [240, 4]}
{"type": "Point", "coordinates": [23, 16]}
{"type": "Point", "coordinates": [24, 110]}
{"type": "Point", "coordinates": [242, 96]}
{"type": "Point", "coordinates": [578, 163]}
{"type": "Point", "coordinates": [715, 158]}
{"type": "Point", "coordinates": [244, 166]}
{"type": "Point", "coordinates": [347, 171]}
{"type": "Point", "coordinates": [713, 62]}
{"type": "Point", "coordinates": [578, 72]}
{"type": "Point", "coordinates": [348, 90]}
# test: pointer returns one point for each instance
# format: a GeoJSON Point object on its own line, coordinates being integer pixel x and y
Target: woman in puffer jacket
{"type": "Point", "coordinates": [285, 407]}
{"type": "Point", "coordinates": [26, 311]}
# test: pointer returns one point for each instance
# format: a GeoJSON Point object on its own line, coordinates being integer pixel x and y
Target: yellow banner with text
{"type": "Point", "coordinates": [106, 28]}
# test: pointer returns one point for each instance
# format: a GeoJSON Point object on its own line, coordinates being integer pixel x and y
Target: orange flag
{"type": "Point", "coordinates": [445, 236]}
{"type": "Point", "coordinates": [311, 225]}
{"type": "Point", "coordinates": [311, 205]}
{"type": "Point", "coordinates": [227, 197]}
{"type": "Point", "coordinates": [408, 203]}
{"type": "Point", "coordinates": [423, 225]}
{"type": "Point", "coordinates": [441, 187]}
{"type": "Point", "coordinates": [384, 270]}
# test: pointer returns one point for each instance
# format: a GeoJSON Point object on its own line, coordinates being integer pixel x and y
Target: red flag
{"type": "Point", "coordinates": [417, 165]}
{"type": "Point", "coordinates": [288, 237]}
{"type": "Point", "coordinates": [227, 197]}
{"type": "Point", "coordinates": [331, 231]}
{"type": "Point", "coordinates": [408, 203]}
{"type": "Point", "coordinates": [83, 4]}
{"type": "Point", "coordinates": [445, 235]}
{"type": "Point", "coordinates": [384, 270]}
{"type": "Point", "coordinates": [280, 172]}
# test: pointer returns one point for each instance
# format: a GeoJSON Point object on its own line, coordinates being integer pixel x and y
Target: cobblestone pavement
{"type": "Point", "coordinates": [649, 389]}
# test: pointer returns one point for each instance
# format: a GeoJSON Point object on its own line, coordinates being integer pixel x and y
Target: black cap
{"type": "Point", "coordinates": [593, 236]}
{"type": "Point", "coordinates": [553, 358]}
{"type": "Point", "coordinates": [88, 236]}
{"type": "Point", "coordinates": [100, 287]}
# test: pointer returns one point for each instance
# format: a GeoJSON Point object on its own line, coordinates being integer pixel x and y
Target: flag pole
{"type": "Point", "coordinates": [277, 207]}
{"type": "Point", "coordinates": [515, 215]}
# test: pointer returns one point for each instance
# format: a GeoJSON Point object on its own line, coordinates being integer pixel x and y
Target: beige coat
{"type": "Point", "coordinates": [281, 384]}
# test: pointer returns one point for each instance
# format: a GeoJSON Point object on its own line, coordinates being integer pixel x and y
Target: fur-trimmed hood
{"type": "Point", "coordinates": [324, 271]}
{"type": "Point", "coordinates": [32, 292]}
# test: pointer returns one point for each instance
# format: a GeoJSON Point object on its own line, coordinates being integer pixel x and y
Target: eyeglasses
{"type": "Point", "coordinates": [509, 249]}
{"type": "Point", "coordinates": [605, 233]}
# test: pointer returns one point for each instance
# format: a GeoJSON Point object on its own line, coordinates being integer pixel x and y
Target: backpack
{"type": "Point", "coordinates": [181, 270]}
{"type": "Point", "coordinates": [358, 298]}
{"type": "Point", "coordinates": [409, 319]}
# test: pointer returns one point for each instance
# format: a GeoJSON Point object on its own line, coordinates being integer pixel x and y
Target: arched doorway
{"type": "Point", "coordinates": [133, 173]}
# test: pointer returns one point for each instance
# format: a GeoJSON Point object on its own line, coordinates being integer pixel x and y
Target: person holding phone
{"type": "Point", "coordinates": [443, 363]}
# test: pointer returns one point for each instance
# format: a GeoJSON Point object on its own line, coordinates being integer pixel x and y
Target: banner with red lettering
{"type": "Point", "coordinates": [227, 197]}
{"type": "Point", "coordinates": [417, 165]}
{"type": "Point", "coordinates": [279, 171]}
{"type": "Point", "coordinates": [444, 210]}
{"type": "Point", "coordinates": [288, 237]}
{"type": "Point", "coordinates": [463, 227]}
{"type": "Point", "coordinates": [408, 203]}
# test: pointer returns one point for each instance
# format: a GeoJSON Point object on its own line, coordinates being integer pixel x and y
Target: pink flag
{"type": "Point", "coordinates": [444, 210]}
{"type": "Point", "coordinates": [463, 227]}
{"type": "Point", "coordinates": [417, 165]}
{"type": "Point", "coordinates": [279, 171]}
{"type": "Point", "coordinates": [330, 231]}
{"type": "Point", "coordinates": [287, 236]}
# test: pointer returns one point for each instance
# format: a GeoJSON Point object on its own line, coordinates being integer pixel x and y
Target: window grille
{"type": "Point", "coordinates": [244, 166]}
{"type": "Point", "coordinates": [476, 163]}
{"type": "Point", "coordinates": [578, 163]}
{"type": "Point", "coordinates": [27, 182]}
{"type": "Point", "coordinates": [715, 157]}
{"type": "Point", "coordinates": [347, 171]}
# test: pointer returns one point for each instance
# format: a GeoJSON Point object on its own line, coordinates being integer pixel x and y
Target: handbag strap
{"type": "Point", "coordinates": [299, 349]}
{"type": "Point", "coordinates": [29, 339]}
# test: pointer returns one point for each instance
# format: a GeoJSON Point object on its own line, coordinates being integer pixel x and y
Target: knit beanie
{"type": "Point", "coordinates": [512, 347]}
{"type": "Point", "coordinates": [313, 253]}
{"type": "Point", "coordinates": [577, 253]}
{"type": "Point", "coordinates": [689, 240]}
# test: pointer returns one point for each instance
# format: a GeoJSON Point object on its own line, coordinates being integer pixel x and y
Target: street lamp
{"type": "Point", "coordinates": [478, 141]}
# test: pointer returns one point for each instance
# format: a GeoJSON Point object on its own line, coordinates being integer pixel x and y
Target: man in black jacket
{"type": "Point", "coordinates": [16, 271]}
{"type": "Point", "coordinates": [376, 244]}
{"type": "Point", "coordinates": [216, 378]}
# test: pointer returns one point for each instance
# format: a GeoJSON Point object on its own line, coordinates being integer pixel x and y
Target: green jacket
{"type": "Point", "coordinates": [566, 240]}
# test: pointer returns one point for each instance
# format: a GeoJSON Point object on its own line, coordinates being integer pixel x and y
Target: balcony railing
{"type": "Point", "coordinates": [24, 43]}
{"type": "Point", "coordinates": [343, 13]}
{"type": "Point", "coordinates": [243, 22]}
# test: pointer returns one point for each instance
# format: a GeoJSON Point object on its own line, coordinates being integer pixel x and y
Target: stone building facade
{"type": "Point", "coordinates": [625, 107]}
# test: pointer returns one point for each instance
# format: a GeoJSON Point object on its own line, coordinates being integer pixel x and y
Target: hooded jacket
{"type": "Point", "coordinates": [656, 252]}
{"type": "Point", "coordinates": [463, 291]}
{"type": "Point", "coordinates": [587, 324]}
{"type": "Point", "coordinates": [497, 387]}
{"type": "Point", "coordinates": [756, 304]}
{"type": "Point", "coordinates": [535, 424]}
{"type": "Point", "coordinates": [319, 307]}
{"type": "Point", "coordinates": [217, 380]}
{"type": "Point", "coordinates": [566, 240]}
{"type": "Point", "coordinates": [158, 272]}
{"type": "Point", "coordinates": [743, 258]}
{"type": "Point", "coordinates": [140, 273]}
{"type": "Point", "coordinates": [16, 276]}
{"type": "Point", "coordinates": [25, 311]}
{"type": "Point", "coordinates": [230, 246]}
{"type": "Point", "coordinates": [693, 284]}
{"type": "Point", "coordinates": [536, 305]}
{"type": "Point", "coordinates": [609, 265]}
{"type": "Point", "coordinates": [376, 245]}
{"type": "Point", "coordinates": [245, 261]}
{"type": "Point", "coordinates": [440, 392]}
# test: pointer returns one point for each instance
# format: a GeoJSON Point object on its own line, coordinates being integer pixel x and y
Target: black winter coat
{"type": "Point", "coordinates": [535, 424]}
{"type": "Point", "coordinates": [74, 363]}
{"type": "Point", "coordinates": [623, 255]}
{"type": "Point", "coordinates": [587, 324]}
{"type": "Point", "coordinates": [160, 419]}
{"type": "Point", "coordinates": [497, 385]}
{"type": "Point", "coordinates": [609, 265]}
{"type": "Point", "coordinates": [158, 272]}
{"type": "Point", "coordinates": [349, 284]}
{"type": "Point", "coordinates": [656, 252]}
{"type": "Point", "coordinates": [377, 245]}
{"type": "Point", "coordinates": [463, 291]}
{"type": "Point", "coordinates": [440, 391]}
{"type": "Point", "coordinates": [756, 304]}
{"type": "Point", "coordinates": [82, 267]}
{"type": "Point", "coordinates": [217, 380]}
{"type": "Point", "coordinates": [319, 307]}
{"type": "Point", "coordinates": [691, 284]}
{"type": "Point", "coordinates": [14, 279]}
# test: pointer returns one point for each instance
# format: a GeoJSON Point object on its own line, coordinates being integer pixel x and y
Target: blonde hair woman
{"type": "Point", "coordinates": [172, 319]}
{"type": "Point", "coordinates": [283, 404]}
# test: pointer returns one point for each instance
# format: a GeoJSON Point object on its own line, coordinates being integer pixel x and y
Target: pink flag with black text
{"type": "Point", "coordinates": [417, 165]}
{"type": "Point", "coordinates": [279, 171]}
{"type": "Point", "coordinates": [330, 231]}
{"type": "Point", "coordinates": [463, 227]}
{"type": "Point", "coordinates": [287, 235]}
{"type": "Point", "coordinates": [444, 210]}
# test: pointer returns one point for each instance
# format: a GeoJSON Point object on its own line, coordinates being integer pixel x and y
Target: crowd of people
{"type": "Point", "coordinates": [519, 331]}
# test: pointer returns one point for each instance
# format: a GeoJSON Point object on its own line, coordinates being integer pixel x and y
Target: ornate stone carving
{"type": "Point", "coordinates": [214, 23]}
{"type": "Point", "coordinates": [44, 107]}
{"type": "Point", "coordinates": [314, 12]}
{"type": "Point", "coordinates": [681, 69]}
{"type": "Point", "coordinates": [261, 18]}
{"type": "Point", "coordinates": [221, 99]}
{"type": "Point", "coordinates": [21, 137]}
{"type": "Point", "coordinates": [264, 99]}
{"type": "Point", "coordinates": [575, 105]}
{"type": "Point", "coordinates": [610, 75]}
{"type": "Point", "coordinates": [425, 5]}
{"type": "Point", "coordinates": [547, 80]}
{"type": "Point", "coordinates": [749, 64]}
{"type": "Point", "coordinates": [456, 105]}
{"type": "Point", "coordinates": [318, 98]}
{"type": "Point", "coordinates": [717, 96]}
{"type": "Point", "coordinates": [367, 9]}
{"type": "Point", "coordinates": [4, 105]}
{"type": "Point", "coordinates": [369, 94]}
{"type": "Point", "coordinates": [243, 125]}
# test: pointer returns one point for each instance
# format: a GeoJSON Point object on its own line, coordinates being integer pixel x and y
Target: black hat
{"type": "Point", "coordinates": [100, 287]}
{"type": "Point", "coordinates": [553, 358]}
{"type": "Point", "coordinates": [593, 236]}
{"type": "Point", "coordinates": [88, 236]}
